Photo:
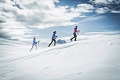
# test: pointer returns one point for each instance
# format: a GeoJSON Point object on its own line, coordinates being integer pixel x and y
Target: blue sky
{"type": "Point", "coordinates": [26, 19]}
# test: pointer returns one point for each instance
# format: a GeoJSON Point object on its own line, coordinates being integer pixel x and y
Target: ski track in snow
{"type": "Point", "coordinates": [91, 57]}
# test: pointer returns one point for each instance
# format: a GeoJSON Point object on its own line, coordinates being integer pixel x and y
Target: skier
{"type": "Point", "coordinates": [34, 43]}
{"type": "Point", "coordinates": [53, 39]}
{"type": "Point", "coordinates": [75, 33]}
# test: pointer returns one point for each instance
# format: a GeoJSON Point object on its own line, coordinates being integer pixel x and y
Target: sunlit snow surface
{"type": "Point", "coordinates": [91, 57]}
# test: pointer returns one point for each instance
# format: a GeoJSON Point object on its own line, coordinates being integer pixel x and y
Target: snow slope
{"type": "Point", "coordinates": [93, 57]}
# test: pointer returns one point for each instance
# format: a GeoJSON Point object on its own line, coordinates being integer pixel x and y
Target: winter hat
{"type": "Point", "coordinates": [34, 38]}
{"type": "Point", "coordinates": [54, 32]}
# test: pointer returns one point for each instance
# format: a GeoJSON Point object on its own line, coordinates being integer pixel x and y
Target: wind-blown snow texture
{"type": "Point", "coordinates": [94, 57]}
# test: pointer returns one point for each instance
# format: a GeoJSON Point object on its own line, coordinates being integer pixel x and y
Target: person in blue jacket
{"type": "Point", "coordinates": [34, 43]}
{"type": "Point", "coordinates": [53, 39]}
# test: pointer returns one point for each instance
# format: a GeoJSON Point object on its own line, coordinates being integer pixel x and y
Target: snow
{"type": "Point", "coordinates": [91, 57]}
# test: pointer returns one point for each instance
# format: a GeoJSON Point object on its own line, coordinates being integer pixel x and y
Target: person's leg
{"type": "Point", "coordinates": [50, 43]}
{"type": "Point", "coordinates": [72, 37]}
{"type": "Point", "coordinates": [75, 37]}
{"type": "Point", "coordinates": [35, 46]}
{"type": "Point", "coordinates": [54, 42]}
{"type": "Point", "coordinates": [31, 48]}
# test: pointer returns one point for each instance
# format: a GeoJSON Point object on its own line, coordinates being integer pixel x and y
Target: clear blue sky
{"type": "Point", "coordinates": [25, 19]}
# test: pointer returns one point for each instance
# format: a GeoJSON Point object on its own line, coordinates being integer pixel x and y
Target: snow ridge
{"type": "Point", "coordinates": [94, 57]}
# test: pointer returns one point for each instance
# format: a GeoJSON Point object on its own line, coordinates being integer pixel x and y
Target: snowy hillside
{"type": "Point", "coordinates": [93, 57]}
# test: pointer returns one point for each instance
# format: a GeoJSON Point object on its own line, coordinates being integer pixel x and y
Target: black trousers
{"type": "Point", "coordinates": [75, 36]}
{"type": "Point", "coordinates": [52, 42]}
